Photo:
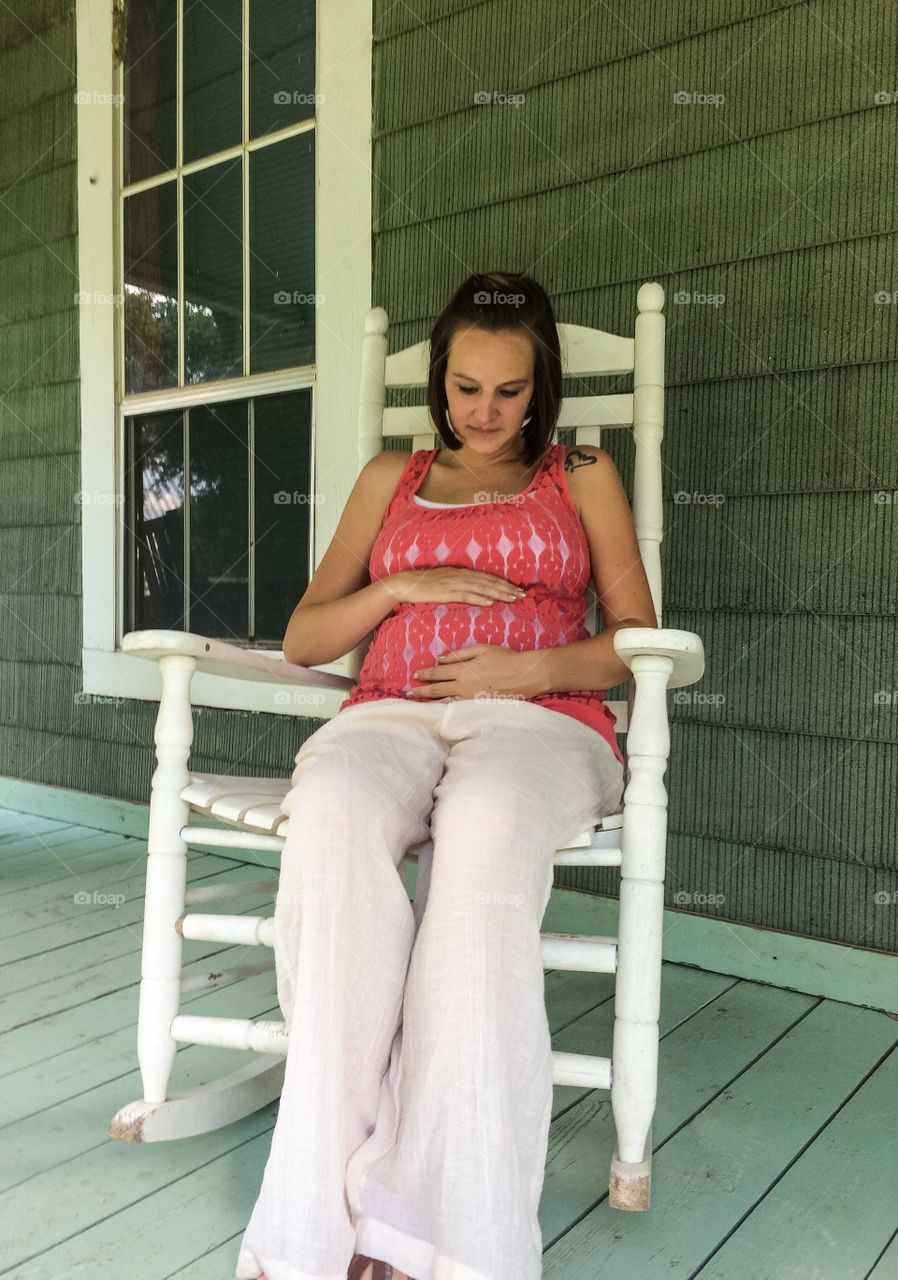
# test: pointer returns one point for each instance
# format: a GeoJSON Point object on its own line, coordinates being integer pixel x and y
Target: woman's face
{"type": "Point", "coordinates": [489, 383]}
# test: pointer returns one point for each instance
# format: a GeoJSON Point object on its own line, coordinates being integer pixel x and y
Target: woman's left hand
{"type": "Point", "coordinates": [479, 670]}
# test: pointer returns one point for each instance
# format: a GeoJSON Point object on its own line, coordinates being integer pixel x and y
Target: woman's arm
{"type": "Point", "coordinates": [341, 605]}
{"type": "Point", "coordinates": [319, 633]}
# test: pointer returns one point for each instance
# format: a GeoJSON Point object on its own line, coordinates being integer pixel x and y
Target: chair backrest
{"type": "Point", "coordinates": [585, 353]}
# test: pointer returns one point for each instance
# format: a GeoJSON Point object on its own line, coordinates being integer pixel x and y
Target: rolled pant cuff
{"type": "Point", "coordinates": [417, 1258]}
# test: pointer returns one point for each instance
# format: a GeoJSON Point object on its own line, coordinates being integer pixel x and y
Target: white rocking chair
{"type": "Point", "coordinates": [634, 840]}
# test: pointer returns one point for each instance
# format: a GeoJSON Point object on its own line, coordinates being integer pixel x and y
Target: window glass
{"type": "Point", "coordinates": [150, 74]}
{"type": "Point", "coordinates": [282, 258]}
{"type": "Point", "coordinates": [151, 288]}
{"type": "Point", "coordinates": [284, 511]}
{"type": "Point", "coordinates": [281, 64]}
{"type": "Point", "coordinates": [154, 574]}
{"type": "Point", "coordinates": [219, 519]}
{"type": "Point", "coordinates": [213, 77]}
{"type": "Point", "coordinates": [213, 272]}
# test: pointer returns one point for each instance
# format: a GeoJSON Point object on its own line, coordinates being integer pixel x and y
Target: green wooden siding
{"type": "Point", "coordinates": [782, 785]}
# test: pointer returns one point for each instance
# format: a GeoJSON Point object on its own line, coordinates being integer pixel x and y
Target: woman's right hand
{"type": "Point", "coordinates": [450, 586]}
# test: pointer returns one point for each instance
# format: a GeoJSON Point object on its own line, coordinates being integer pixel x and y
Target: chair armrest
{"type": "Point", "coordinates": [219, 658]}
{"type": "Point", "coordinates": [684, 647]}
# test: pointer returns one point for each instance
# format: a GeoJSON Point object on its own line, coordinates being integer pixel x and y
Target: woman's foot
{"type": "Point", "coordinates": [368, 1273]}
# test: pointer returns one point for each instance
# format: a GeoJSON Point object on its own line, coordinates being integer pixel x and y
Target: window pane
{"type": "Point", "coordinates": [151, 288]}
{"type": "Point", "coordinates": [283, 511]}
{"type": "Point", "coordinates": [154, 563]}
{"type": "Point", "coordinates": [213, 77]}
{"type": "Point", "coordinates": [150, 78]}
{"type": "Point", "coordinates": [282, 258]}
{"type": "Point", "coordinates": [219, 519]}
{"type": "Point", "coordinates": [281, 64]}
{"type": "Point", "coordinates": [213, 273]}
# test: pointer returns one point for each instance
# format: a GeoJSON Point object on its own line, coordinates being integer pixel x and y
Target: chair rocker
{"type": "Point", "coordinates": [634, 839]}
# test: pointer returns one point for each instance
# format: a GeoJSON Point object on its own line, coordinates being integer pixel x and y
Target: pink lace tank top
{"type": "Point", "coordinates": [535, 540]}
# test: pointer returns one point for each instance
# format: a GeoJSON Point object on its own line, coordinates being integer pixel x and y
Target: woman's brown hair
{"type": "Point", "coordinates": [501, 301]}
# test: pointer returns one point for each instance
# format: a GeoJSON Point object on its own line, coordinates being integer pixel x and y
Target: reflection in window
{"type": "Point", "coordinates": [154, 577]}
{"type": "Point", "coordinates": [248, 514]}
{"type": "Point", "coordinates": [151, 289]}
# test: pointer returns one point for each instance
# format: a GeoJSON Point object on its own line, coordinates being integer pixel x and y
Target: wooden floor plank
{"type": "Point", "coordinates": [698, 1057]}
{"type": "Point", "coordinates": [81, 925]}
{"type": "Point", "coordinates": [93, 982]}
{"type": "Point", "coordinates": [716, 1168]}
{"type": "Point", "coordinates": [849, 1168]}
{"type": "Point", "coordinates": [114, 856]}
{"type": "Point", "coordinates": [886, 1268]}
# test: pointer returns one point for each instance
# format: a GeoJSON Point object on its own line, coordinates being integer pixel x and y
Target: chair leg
{"type": "Point", "coordinates": [160, 965]}
{"type": "Point", "coordinates": [630, 1185]}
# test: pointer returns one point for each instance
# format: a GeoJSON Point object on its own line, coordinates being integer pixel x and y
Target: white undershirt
{"type": "Point", "coordinates": [425, 502]}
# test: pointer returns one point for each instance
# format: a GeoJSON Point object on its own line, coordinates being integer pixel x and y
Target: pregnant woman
{"type": "Point", "coordinates": [413, 1125]}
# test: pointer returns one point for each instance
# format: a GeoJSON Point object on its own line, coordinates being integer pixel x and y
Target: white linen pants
{"type": "Point", "coordinates": [414, 1118]}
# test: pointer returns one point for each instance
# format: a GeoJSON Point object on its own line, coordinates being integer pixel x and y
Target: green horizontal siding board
{"type": "Point", "coordinates": [48, 484]}
{"type": "Point", "coordinates": [40, 560]}
{"type": "Point", "coordinates": [757, 673]}
{"type": "Point", "coordinates": [37, 68]}
{"type": "Point", "coordinates": [41, 350]}
{"type": "Point", "coordinates": [781, 314]}
{"type": "Point", "coordinates": [37, 628]}
{"type": "Point", "coordinates": [620, 39]}
{"type": "Point", "coordinates": [31, 20]}
{"type": "Point", "coordinates": [41, 420]}
{"type": "Point", "coordinates": [36, 213]}
{"type": "Point", "coordinates": [777, 189]}
{"type": "Point", "coordinates": [811, 894]}
{"type": "Point", "coordinates": [827, 553]}
{"type": "Point", "coordinates": [45, 137]}
{"type": "Point", "coordinates": [34, 281]}
{"type": "Point", "coordinates": [819, 431]}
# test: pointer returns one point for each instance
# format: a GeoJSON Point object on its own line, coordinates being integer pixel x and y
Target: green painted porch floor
{"type": "Point", "coordinates": [774, 1133]}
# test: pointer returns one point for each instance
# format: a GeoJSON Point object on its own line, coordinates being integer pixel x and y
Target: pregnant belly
{"type": "Point", "coordinates": [413, 636]}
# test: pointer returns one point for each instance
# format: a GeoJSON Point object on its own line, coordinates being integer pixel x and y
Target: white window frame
{"type": "Point", "coordinates": [342, 278]}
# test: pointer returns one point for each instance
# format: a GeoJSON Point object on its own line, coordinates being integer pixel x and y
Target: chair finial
{"type": "Point", "coordinates": [376, 320]}
{"type": "Point", "coordinates": [650, 296]}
